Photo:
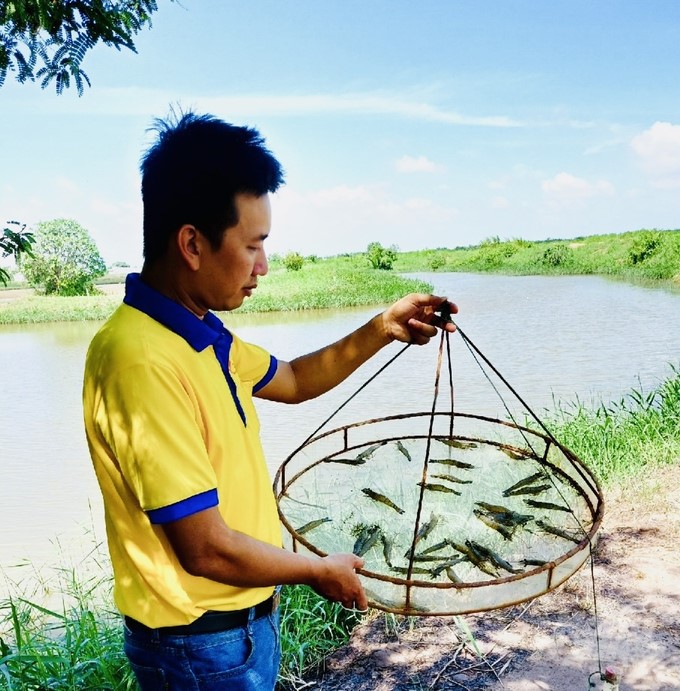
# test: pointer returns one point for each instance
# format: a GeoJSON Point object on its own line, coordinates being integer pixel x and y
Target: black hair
{"type": "Point", "coordinates": [192, 174]}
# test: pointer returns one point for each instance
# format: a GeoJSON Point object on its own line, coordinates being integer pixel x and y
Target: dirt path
{"type": "Point", "coordinates": [549, 644]}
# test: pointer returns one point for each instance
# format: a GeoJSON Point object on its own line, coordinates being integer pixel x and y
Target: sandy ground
{"type": "Point", "coordinates": [549, 643]}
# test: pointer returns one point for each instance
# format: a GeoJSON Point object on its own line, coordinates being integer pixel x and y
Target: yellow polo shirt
{"type": "Point", "coordinates": [171, 433]}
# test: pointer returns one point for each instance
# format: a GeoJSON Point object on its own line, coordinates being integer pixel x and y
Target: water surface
{"type": "Point", "coordinates": [551, 337]}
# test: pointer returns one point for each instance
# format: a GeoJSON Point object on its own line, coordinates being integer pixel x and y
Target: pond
{"type": "Point", "coordinates": [552, 338]}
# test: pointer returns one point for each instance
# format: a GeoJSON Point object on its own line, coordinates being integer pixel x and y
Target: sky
{"type": "Point", "coordinates": [433, 124]}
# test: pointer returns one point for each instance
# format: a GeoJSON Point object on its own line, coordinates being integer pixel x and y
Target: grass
{"type": "Point", "coordinates": [650, 257]}
{"type": "Point", "coordinates": [330, 285]}
{"type": "Point", "coordinates": [40, 309]}
{"type": "Point", "coordinates": [311, 628]}
{"type": "Point", "coordinates": [77, 644]}
{"type": "Point", "coordinates": [72, 642]}
{"type": "Point", "coordinates": [623, 439]}
{"type": "Point", "coordinates": [643, 256]}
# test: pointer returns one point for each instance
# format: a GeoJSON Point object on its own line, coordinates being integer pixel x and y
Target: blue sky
{"type": "Point", "coordinates": [430, 124]}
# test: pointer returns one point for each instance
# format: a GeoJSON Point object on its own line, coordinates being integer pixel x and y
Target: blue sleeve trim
{"type": "Point", "coordinates": [273, 364]}
{"type": "Point", "coordinates": [184, 508]}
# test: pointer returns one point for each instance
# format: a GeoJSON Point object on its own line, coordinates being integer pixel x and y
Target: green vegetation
{"type": "Point", "coordinates": [78, 645]}
{"type": "Point", "coordinates": [64, 259]}
{"type": "Point", "coordinates": [325, 284]}
{"type": "Point", "coordinates": [311, 628]}
{"type": "Point", "coordinates": [46, 40]}
{"type": "Point", "coordinates": [625, 438]}
{"type": "Point", "coordinates": [293, 261]}
{"type": "Point", "coordinates": [329, 284]}
{"type": "Point", "coordinates": [636, 256]}
{"type": "Point", "coordinates": [297, 283]}
{"type": "Point", "coordinates": [39, 309]}
{"type": "Point", "coordinates": [380, 257]}
{"type": "Point", "coordinates": [14, 242]}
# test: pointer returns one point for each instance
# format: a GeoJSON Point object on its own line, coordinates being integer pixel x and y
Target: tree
{"type": "Point", "coordinates": [65, 259]}
{"type": "Point", "coordinates": [48, 39]}
{"type": "Point", "coordinates": [14, 243]}
{"type": "Point", "coordinates": [380, 257]}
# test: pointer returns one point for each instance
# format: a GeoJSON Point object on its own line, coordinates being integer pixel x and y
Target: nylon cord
{"type": "Point", "coordinates": [470, 345]}
{"type": "Point", "coordinates": [474, 351]}
{"type": "Point", "coordinates": [359, 390]}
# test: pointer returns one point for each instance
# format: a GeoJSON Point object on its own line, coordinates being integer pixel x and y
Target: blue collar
{"type": "Point", "coordinates": [198, 333]}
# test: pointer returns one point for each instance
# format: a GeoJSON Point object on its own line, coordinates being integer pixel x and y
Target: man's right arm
{"type": "Point", "coordinates": [207, 547]}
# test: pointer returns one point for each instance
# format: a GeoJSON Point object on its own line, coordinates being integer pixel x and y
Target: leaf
{"type": "Point", "coordinates": [58, 35]}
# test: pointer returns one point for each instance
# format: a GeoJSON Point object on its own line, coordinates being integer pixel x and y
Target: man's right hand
{"type": "Point", "coordinates": [336, 580]}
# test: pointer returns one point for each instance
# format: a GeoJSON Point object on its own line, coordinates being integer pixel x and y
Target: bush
{"type": "Point", "coordinates": [557, 255]}
{"type": "Point", "coordinates": [65, 259]}
{"type": "Point", "coordinates": [644, 246]}
{"type": "Point", "coordinates": [293, 261]}
{"type": "Point", "coordinates": [493, 252]}
{"type": "Point", "coordinates": [380, 257]}
{"type": "Point", "coordinates": [436, 261]}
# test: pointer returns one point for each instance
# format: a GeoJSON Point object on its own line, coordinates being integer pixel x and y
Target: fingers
{"type": "Point", "coordinates": [428, 314]}
{"type": "Point", "coordinates": [361, 603]}
{"type": "Point", "coordinates": [342, 583]}
{"type": "Point", "coordinates": [420, 332]}
{"type": "Point", "coordinates": [434, 303]}
{"type": "Point", "coordinates": [358, 601]}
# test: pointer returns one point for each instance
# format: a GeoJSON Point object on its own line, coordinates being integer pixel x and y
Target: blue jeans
{"type": "Point", "coordinates": [241, 659]}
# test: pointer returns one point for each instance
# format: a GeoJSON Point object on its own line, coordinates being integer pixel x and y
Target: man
{"type": "Point", "coordinates": [191, 518]}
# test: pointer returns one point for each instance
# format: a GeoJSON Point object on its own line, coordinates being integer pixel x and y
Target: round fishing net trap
{"type": "Point", "coordinates": [452, 512]}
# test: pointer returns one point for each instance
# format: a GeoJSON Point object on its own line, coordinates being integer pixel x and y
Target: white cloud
{"type": "Point", "coordinates": [419, 204]}
{"type": "Point", "coordinates": [142, 101]}
{"type": "Point", "coordinates": [346, 219]}
{"type": "Point", "coordinates": [659, 151]}
{"type": "Point", "coordinates": [413, 164]}
{"type": "Point", "coordinates": [567, 188]}
{"type": "Point", "coordinates": [115, 225]}
{"type": "Point", "coordinates": [66, 185]}
{"type": "Point", "coordinates": [341, 194]}
{"type": "Point", "coordinates": [500, 203]}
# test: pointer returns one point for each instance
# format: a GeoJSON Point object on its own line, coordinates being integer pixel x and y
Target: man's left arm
{"type": "Point", "coordinates": [412, 319]}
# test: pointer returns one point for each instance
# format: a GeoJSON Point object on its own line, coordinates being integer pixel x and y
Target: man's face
{"type": "Point", "coordinates": [229, 274]}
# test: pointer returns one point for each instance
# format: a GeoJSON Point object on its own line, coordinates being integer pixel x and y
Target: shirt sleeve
{"type": "Point", "coordinates": [150, 423]}
{"type": "Point", "coordinates": [254, 364]}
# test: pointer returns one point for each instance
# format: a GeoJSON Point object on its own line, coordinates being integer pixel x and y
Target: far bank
{"type": "Point", "coordinates": [647, 257]}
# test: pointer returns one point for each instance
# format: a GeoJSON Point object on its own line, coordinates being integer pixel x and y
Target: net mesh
{"type": "Point", "coordinates": [452, 512]}
{"type": "Point", "coordinates": [447, 521]}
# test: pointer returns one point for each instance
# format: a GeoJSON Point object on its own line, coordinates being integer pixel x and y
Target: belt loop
{"type": "Point", "coordinates": [249, 624]}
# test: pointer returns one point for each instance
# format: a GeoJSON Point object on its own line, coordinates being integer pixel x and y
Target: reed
{"type": "Point", "coordinates": [64, 634]}
{"type": "Point", "coordinates": [622, 439]}
{"type": "Point", "coordinates": [311, 628]}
